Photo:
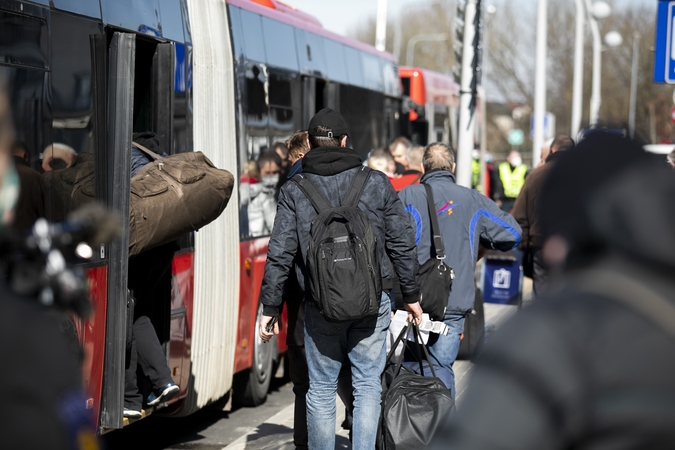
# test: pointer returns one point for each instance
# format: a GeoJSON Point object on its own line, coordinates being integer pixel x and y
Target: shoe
{"type": "Point", "coordinates": [132, 414]}
{"type": "Point", "coordinates": [163, 394]}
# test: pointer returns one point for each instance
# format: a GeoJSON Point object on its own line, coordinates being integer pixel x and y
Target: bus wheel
{"type": "Point", "coordinates": [252, 386]}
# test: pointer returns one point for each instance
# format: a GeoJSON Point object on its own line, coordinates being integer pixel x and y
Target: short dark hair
{"type": "Point", "coordinates": [562, 143]}
{"type": "Point", "coordinates": [323, 141]}
{"type": "Point", "coordinates": [269, 156]}
{"type": "Point", "coordinates": [297, 144]}
{"type": "Point", "coordinates": [437, 155]}
{"type": "Point", "coordinates": [19, 148]}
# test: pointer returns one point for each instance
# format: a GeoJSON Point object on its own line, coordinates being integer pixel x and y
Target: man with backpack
{"type": "Point", "coordinates": [466, 220]}
{"type": "Point", "coordinates": [351, 231]}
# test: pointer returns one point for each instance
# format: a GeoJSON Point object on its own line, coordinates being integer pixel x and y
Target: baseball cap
{"type": "Point", "coordinates": [328, 118]}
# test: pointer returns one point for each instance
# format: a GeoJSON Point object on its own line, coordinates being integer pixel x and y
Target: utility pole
{"type": "Point", "coordinates": [540, 82]}
{"type": "Point", "coordinates": [578, 90]}
{"type": "Point", "coordinates": [596, 94]}
{"type": "Point", "coordinates": [634, 84]}
{"type": "Point", "coordinates": [381, 30]}
{"type": "Point", "coordinates": [468, 31]}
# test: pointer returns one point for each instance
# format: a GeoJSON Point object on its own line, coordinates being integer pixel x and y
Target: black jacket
{"type": "Point", "coordinates": [579, 369]}
{"type": "Point", "coordinates": [331, 169]}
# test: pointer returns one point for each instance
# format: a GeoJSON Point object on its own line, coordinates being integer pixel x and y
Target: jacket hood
{"type": "Point", "coordinates": [634, 215]}
{"type": "Point", "coordinates": [327, 161]}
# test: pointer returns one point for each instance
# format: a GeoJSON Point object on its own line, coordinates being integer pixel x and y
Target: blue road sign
{"type": "Point", "coordinates": [664, 55]}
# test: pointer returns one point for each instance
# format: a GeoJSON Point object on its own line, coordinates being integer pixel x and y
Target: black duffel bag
{"type": "Point", "coordinates": [414, 406]}
{"type": "Point", "coordinates": [435, 276]}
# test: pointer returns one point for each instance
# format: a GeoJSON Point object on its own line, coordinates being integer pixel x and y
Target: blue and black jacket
{"type": "Point", "coordinates": [467, 219]}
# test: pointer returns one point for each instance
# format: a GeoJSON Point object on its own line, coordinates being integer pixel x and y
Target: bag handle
{"type": "Point", "coordinates": [420, 343]}
{"type": "Point", "coordinates": [317, 199]}
{"type": "Point", "coordinates": [436, 238]}
{"type": "Point", "coordinates": [357, 187]}
{"type": "Point", "coordinates": [147, 151]}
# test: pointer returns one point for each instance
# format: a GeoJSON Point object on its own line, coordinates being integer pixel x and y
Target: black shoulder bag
{"type": "Point", "coordinates": [435, 276]}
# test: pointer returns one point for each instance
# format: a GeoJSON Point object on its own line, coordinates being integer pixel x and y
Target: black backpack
{"type": "Point", "coordinates": [343, 261]}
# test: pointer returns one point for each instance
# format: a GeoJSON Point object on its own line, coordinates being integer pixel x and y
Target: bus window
{"type": "Point", "coordinates": [279, 44]}
{"type": "Point", "coordinates": [88, 9]}
{"type": "Point", "coordinates": [254, 45]}
{"type": "Point", "coordinates": [237, 33]}
{"type": "Point", "coordinates": [23, 40]}
{"type": "Point", "coordinates": [284, 95]}
{"type": "Point", "coordinates": [335, 61]}
{"type": "Point", "coordinates": [310, 53]}
{"type": "Point", "coordinates": [354, 68]}
{"type": "Point", "coordinates": [372, 72]}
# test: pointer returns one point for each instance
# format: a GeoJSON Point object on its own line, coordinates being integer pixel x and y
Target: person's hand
{"type": "Point", "coordinates": [414, 312]}
{"type": "Point", "coordinates": [264, 334]}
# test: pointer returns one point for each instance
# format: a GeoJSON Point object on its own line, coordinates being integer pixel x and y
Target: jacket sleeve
{"type": "Point", "coordinates": [496, 228]}
{"type": "Point", "coordinates": [520, 210]}
{"type": "Point", "coordinates": [281, 251]}
{"type": "Point", "coordinates": [400, 245]}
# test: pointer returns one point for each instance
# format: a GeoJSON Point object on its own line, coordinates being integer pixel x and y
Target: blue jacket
{"type": "Point", "coordinates": [466, 219]}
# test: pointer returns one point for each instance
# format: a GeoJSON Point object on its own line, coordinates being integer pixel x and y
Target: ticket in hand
{"type": "Point", "coordinates": [434, 327]}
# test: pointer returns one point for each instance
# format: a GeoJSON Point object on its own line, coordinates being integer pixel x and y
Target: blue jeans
{"type": "Point", "coordinates": [443, 350]}
{"type": "Point", "coordinates": [327, 345]}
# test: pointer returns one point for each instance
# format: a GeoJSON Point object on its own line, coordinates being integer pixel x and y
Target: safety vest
{"type": "Point", "coordinates": [513, 181]}
{"type": "Point", "coordinates": [475, 174]}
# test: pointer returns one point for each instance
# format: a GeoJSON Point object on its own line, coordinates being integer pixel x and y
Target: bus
{"type": "Point", "coordinates": [226, 78]}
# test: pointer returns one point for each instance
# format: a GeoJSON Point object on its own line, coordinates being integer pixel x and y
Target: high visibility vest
{"type": "Point", "coordinates": [513, 181]}
{"type": "Point", "coordinates": [475, 174]}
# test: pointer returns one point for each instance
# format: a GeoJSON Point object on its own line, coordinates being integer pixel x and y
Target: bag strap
{"type": "Point", "coordinates": [632, 294]}
{"type": "Point", "coordinates": [357, 187]}
{"type": "Point", "coordinates": [147, 151]}
{"type": "Point", "coordinates": [436, 238]}
{"type": "Point", "coordinates": [398, 340]}
{"type": "Point", "coordinates": [420, 343]}
{"type": "Point", "coordinates": [317, 199]}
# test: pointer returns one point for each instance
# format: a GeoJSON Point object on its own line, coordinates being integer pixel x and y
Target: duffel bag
{"type": "Point", "coordinates": [414, 406]}
{"type": "Point", "coordinates": [173, 196]}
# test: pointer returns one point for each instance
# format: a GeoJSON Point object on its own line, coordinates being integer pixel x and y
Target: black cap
{"type": "Point", "coordinates": [328, 118]}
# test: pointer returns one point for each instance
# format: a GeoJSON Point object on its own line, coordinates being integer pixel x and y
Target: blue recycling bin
{"type": "Point", "coordinates": [502, 280]}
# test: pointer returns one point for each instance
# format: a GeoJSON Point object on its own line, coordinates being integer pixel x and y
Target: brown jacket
{"type": "Point", "coordinates": [526, 208]}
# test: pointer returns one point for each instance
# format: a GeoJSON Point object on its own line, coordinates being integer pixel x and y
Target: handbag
{"type": "Point", "coordinates": [414, 405]}
{"type": "Point", "coordinates": [173, 196]}
{"type": "Point", "coordinates": [435, 276]}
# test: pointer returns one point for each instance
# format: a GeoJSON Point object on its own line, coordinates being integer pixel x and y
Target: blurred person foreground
{"type": "Point", "coordinates": [592, 364]}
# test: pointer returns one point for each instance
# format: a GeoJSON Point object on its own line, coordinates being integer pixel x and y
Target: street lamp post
{"type": "Point", "coordinates": [410, 52]}
{"type": "Point", "coordinates": [633, 84]}
{"type": "Point", "coordinates": [540, 82]}
{"type": "Point", "coordinates": [381, 28]}
{"type": "Point", "coordinates": [578, 90]}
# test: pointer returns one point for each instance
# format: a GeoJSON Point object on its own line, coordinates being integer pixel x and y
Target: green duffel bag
{"type": "Point", "coordinates": [173, 196]}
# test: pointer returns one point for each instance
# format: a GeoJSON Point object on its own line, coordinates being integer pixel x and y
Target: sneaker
{"type": "Point", "coordinates": [132, 414]}
{"type": "Point", "coordinates": [163, 394]}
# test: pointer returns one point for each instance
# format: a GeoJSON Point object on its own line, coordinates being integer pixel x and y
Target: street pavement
{"type": "Point", "coordinates": [266, 427]}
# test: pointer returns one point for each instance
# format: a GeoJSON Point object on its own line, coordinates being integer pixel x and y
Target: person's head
{"type": "Point", "coordinates": [281, 149]}
{"type": "Point", "coordinates": [438, 156]}
{"type": "Point", "coordinates": [416, 158]}
{"type": "Point", "coordinates": [297, 146]}
{"type": "Point", "coordinates": [546, 150]}
{"type": "Point", "coordinates": [575, 177]}
{"type": "Point", "coordinates": [269, 165]}
{"type": "Point", "coordinates": [671, 159]}
{"type": "Point", "coordinates": [384, 154]}
{"type": "Point", "coordinates": [379, 163]}
{"type": "Point", "coordinates": [20, 150]}
{"type": "Point", "coordinates": [514, 158]}
{"type": "Point", "coordinates": [562, 143]}
{"type": "Point", "coordinates": [327, 129]}
{"type": "Point", "coordinates": [399, 150]}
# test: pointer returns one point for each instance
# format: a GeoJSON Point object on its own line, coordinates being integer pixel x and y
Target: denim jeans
{"type": "Point", "coordinates": [329, 344]}
{"type": "Point", "coordinates": [443, 350]}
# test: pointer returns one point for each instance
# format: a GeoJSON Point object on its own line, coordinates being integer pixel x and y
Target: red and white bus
{"type": "Point", "coordinates": [226, 78]}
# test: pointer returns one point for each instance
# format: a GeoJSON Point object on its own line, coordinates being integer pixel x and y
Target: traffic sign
{"type": "Point", "coordinates": [664, 54]}
{"type": "Point", "coordinates": [672, 115]}
{"type": "Point", "coordinates": [549, 125]}
{"type": "Point", "coordinates": [516, 137]}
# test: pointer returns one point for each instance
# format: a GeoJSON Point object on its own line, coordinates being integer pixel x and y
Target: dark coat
{"type": "Point", "coordinates": [331, 170]}
{"type": "Point", "coordinates": [466, 219]}
{"type": "Point", "coordinates": [526, 208]}
{"type": "Point", "coordinates": [31, 204]}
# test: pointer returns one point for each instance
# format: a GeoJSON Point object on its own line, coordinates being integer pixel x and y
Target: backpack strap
{"type": "Point", "coordinates": [317, 199]}
{"type": "Point", "coordinates": [436, 238]}
{"type": "Point", "coordinates": [631, 293]}
{"type": "Point", "coordinates": [147, 151]}
{"type": "Point", "coordinates": [356, 187]}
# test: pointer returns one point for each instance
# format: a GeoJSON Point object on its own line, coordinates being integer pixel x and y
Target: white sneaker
{"type": "Point", "coordinates": [132, 414]}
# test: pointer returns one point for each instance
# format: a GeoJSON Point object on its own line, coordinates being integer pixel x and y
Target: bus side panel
{"type": "Point", "coordinates": [253, 264]}
{"type": "Point", "coordinates": [92, 338]}
{"type": "Point", "coordinates": [182, 291]}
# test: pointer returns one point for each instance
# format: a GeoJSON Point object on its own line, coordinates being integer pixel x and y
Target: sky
{"type": "Point", "coordinates": [342, 15]}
